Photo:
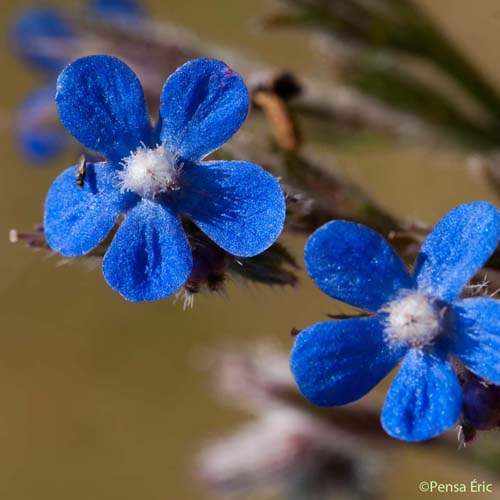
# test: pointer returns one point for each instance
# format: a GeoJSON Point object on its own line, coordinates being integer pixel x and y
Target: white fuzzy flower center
{"type": "Point", "coordinates": [149, 172]}
{"type": "Point", "coordinates": [413, 320]}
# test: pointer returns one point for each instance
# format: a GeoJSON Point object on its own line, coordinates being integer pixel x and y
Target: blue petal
{"type": "Point", "coordinates": [457, 248]}
{"type": "Point", "coordinates": [237, 204]}
{"type": "Point", "coordinates": [424, 399]}
{"type": "Point", "coordinates": [202, 105]}
{"type": "Point", "coordinates": [39, 132]}
{"type": "Point", "coordinates": [78, 219]}
{"type": "Point", "coordinates": [354, 264]}
{"type": "Point", "coordinates": [149, 257]}
{"type": "Point", "coordinates": [477, 336]}
{"type": "Point", "coordinates": [337, 362]}
{"type": "Point", "coordinates": [112, 9]}
{"type": "Point", "coordinates": [37, 32]}
{"type": "Point", "coordinates": [102, 104]}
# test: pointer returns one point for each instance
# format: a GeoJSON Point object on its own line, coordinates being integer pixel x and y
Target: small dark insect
{"type": "Point", "coordinates": [81, 170]}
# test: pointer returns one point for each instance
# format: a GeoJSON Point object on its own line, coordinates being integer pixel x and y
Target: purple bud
{"type": "Point", "coordinates": [481, 404]}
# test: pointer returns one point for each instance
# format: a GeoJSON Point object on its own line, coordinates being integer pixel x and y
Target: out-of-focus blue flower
{"type": "Point", "coordinates": [46, 39]}
{"type": "Point", "coordinates": [39, 133]}
{"type": "Point", "coordinates": [118, 9]}
{"type": "Point", "coordinates": [39, 36]}
{"type": "Point", "coordinates": [43, 36]}
{"type": "Point", "coordinates": [418, 319]}
{"type": "Point", "coordinates": [154, 175]}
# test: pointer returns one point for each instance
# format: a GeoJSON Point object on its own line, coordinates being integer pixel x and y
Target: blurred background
{"type": "Point", "coordinates": [104, 399]}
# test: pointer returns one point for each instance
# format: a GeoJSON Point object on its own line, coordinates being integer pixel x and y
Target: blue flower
{"type": "Point", "coordinates": [418, 319]}
{"type": "Point", "coordinates": [37, 33]}
{"type": "Point", "coordinates": [153, 176]}
{"type": "Point", "coordinates": [123, 10]}
{"type": "Point", "coordinates": [44, 38]}
{"type": "Point", "coordinates": [38, 131]}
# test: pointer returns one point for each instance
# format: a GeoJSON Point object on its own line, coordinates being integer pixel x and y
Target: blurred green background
{"type": "Point", "coordinates": [99, 398]}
